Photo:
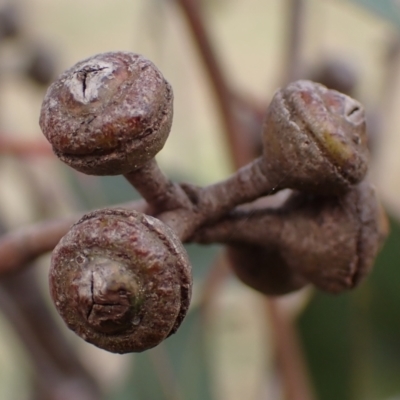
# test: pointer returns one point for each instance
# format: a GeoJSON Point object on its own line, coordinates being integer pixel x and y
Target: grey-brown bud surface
{"type": "Point", "coordinates": [315, 139]}
{"type": "Point", "coordinates": [121, 280]}
{"type": "Point", "coordinates": [108, 114]}
{"type": "Point", "coordinates": [331, 241]}
{"type": "Point", "coordinates": [263, 269]}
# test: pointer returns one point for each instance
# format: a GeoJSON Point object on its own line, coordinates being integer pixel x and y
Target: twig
{"type": "Point", "coordinates": [22, 246]}
{"type": "Point", "coordinates": [161, 361]}
{"type": "Point", "coordinates": [56, 366]}
{"type": "Point", "coordinates": [22, 148]}
{"type": "Point", "coordinates": [157, 189]}
{"type": "Point", "coordinates": [58, 369]}
{"type": "Point", "coordinates": [289, 354]}
{"type": "Point", "coordinates": [295, 9]}
{"type": "Point", "coordinates": [240, 153]}
{"type": "Point", "coordinates": [213, 201]}
{"type": "Point", "coordinates": [26, 244]}
{"type": "Point", "coordinates": [234, 132]}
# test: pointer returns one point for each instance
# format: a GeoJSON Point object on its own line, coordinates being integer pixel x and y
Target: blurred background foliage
{"type": "Point", "coordinates": [351, 342]}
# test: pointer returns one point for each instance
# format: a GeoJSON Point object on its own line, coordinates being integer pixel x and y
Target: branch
{"type": "Point", "coordinates": [235, 135]}
{"type": "Point", "coordinates": [240, 155]}
{"type": "Point", "coordinates": [22, 246]}
{"type": "Point", "coordinates": [23, 148]}
{"type": "Point", "coordinates": [289, 354]}
{"type": "Point", "coordinates": [56, 367]}
{"type": "Point", "coordinates": [295, 10]}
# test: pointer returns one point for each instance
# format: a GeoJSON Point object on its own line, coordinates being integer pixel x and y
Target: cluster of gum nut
{"type": "Point", "coordinates": [121, 279]}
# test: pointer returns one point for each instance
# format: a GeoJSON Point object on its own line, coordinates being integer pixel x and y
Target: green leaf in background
{"type": "Point", "coordinates": [389, 9]}
{"type": "Point", "coordinates": [384, 314]}
{"type": "Point", "coordinates": [352, 341]}
{"type": "Point", "coordinates": [325, 332]}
